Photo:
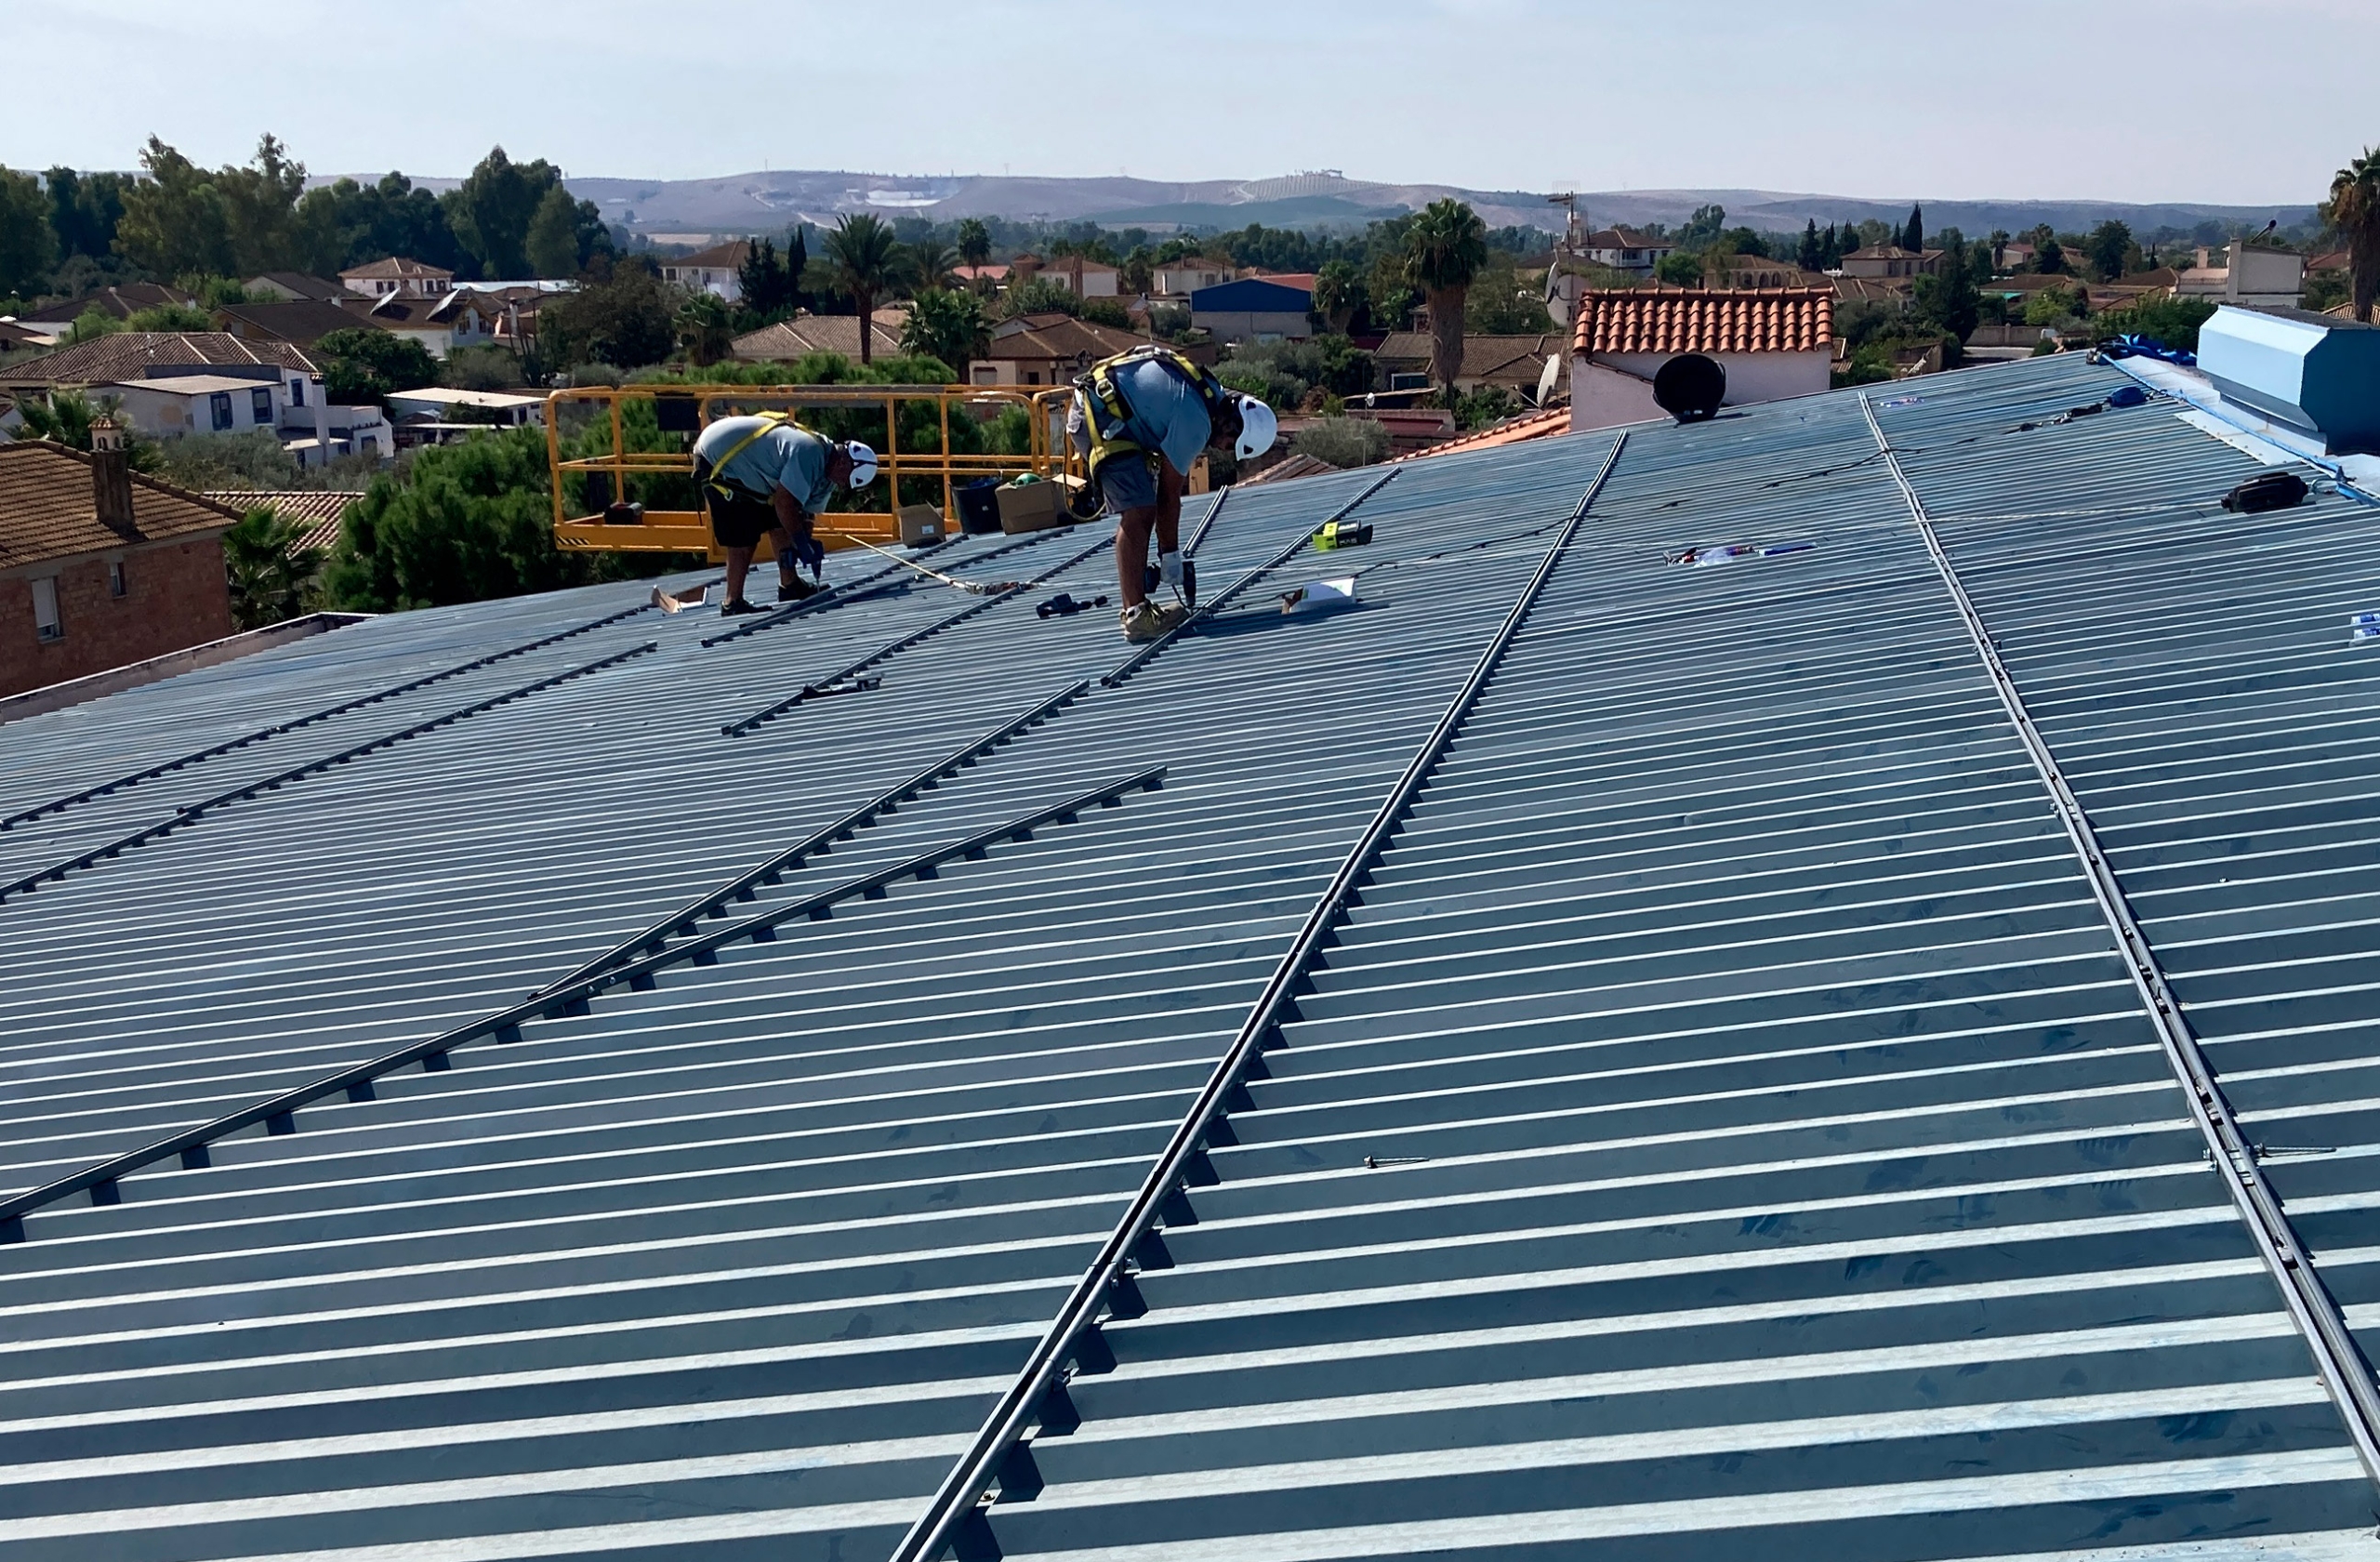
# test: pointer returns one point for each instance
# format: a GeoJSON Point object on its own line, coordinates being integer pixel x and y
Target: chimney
{"type": "Point", "coordinates": [111, 478]}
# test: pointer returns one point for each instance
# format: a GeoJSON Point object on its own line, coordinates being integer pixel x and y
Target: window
{"type": "Point", "coordinates": [218, 404]}
{"type": "Point", "coordinates": [115, 577]}
{"type": "Point", "coordinates": [46, 621]}
{"type": "Point", "coordinates": [261, 406]}
{"type": "Point", "coordinates": [298, 391]}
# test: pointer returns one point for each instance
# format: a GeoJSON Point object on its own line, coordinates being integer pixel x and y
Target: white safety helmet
{"type": "Point", "coordinates": [1257, 426]}
{"type": "Point", "coordinates": [863, 464]}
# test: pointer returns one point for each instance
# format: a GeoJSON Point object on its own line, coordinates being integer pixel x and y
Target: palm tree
{"type": "Point", "coordinates": [931, 264]}
{"type": "Point", "coordinates": [704, 327]}
{"type": "Point", "coordinates": [866, 259]}
{"type": "Point", "coordinates": [1444, 249]}
{"type": "Point", "coordinates": [2354, 210]}
{"type": "Point", "coordinates": [974, 242]}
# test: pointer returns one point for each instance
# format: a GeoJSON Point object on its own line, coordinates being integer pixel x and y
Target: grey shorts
{"type": "Point", "coordinates": [1124, 482]}
{"type": "Point", "coordinates": [1129, 482]}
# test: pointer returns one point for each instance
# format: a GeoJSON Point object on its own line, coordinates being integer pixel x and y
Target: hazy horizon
{"type": "Point", "coordinates": [2232, 102]}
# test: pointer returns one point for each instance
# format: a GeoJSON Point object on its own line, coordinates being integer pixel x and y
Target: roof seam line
{"type": "Point", "coordinates": [999, 1451]}
{"type": "Point", "coordinates": [2309, 1304]}
{"type": "Point", "coordinates": [121, 781]}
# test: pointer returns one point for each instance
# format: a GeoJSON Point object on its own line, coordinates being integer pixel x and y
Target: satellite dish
{"type": "Point", "coordinates": [1690, 387]}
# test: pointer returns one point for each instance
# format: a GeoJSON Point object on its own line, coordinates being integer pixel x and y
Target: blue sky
{"type": "Point", "coordinates": [2244, 101]}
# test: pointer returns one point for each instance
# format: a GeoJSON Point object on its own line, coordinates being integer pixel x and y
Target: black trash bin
{"type": "Point", "coordinates": [979, 507]}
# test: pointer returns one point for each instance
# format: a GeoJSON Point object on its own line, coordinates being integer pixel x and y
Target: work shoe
{"type": "Point", "coordinates": [1148, 621]}
{"type": "Point", "coordinates": [731, 609]}
{"type": "Point", "coordinates": [795, 590]}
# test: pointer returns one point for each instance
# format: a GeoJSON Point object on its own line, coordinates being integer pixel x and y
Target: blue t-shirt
{"type": "Point", "coordinates": [784, 457]}
{"type": "Point", "coordinates": [1167, 415]}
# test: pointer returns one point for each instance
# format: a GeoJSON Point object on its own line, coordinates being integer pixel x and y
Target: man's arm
{"type": "Point", "coordinates": [791, 517]}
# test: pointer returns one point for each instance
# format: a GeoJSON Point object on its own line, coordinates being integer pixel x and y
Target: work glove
{"type": "Point", "coordinates": [1168, 569]}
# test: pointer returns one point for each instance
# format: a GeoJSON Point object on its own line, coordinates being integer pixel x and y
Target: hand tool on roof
{"type": "Point", "coordinates": [973, 587]}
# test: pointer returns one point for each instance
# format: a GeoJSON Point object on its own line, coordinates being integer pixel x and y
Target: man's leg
{"type": "Point", "coordinates": [1132, 528]}
{"type": "Point", "coordinates": [740, 562]}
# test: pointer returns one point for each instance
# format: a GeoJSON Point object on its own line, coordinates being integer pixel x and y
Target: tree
{"type": "Point", "coordinates": [796, 261]}
{"type": "Point", "coordinates": [704, 327]}
{"type": "Point", "coordinates": [2049, 258]}
{"type": "Point", "coordinates": [270, 569]}
{"type": "Point", "coordinates": [931, 264]}
{"type": "Point", "coordinates": [947, 323]}
{"type": "Point", "coordinates": [766, 287]}
{"type": "Point", "coordinates": [1344, 441]}
{"type": "Point", "coordinates": [863, 255]}
{"type": "Point", "coordinates": [1706, 224]}
{"type": "Point", "coordinates": [28, 248]}
{"type": "Point", "coordinates": [262, 202]}
{"type": "Point", "coordinates": [1444, 249]}
{"type": "Point", "coordinates": [621, 315]}
{"type": "Point", "coordinates": [469, 521]}
{"type": "Point", "coordinates": [974, 242]}
{"type": "Point", "coordinates": [1338, 294]}
{"type": "Point", "coordinates": [1679, 267]}
{"type": "Point", "coordinates": [2109, 243]}
{"type": "Point", "coordinates": [2170, 321]}
{"type": "Point", "coordinates": [551, 246]}
{"type": "Point", "coordinates": [2354, 211]}
{"type": "Point", "coordinates": [490, 213]}
{"type": "Point", "coordinates": [175, 220]}
{"type": "Point", "coordinates": [84, 211]}
{"type": "Point", "coordinates": [1948, 300]}
{"type": "Point", "coordinates": [1913, 234]}
{"type": "Point", "coordinates": [65, 417]}
{"type": "Point", "coordinates": [170, 317]}
{"type": "Point", "coordinates": [366, 363]}
{"type": "Point", "coordinates": [1811, 257]}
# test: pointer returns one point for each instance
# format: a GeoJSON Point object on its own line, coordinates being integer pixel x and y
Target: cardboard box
{"type": "Point", "coordinates": [1035, 507]}
{"type": "Point", "coordinates": [919, 523]}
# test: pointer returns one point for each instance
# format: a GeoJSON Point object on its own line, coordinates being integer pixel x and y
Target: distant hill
{"type": "Point", "coordinates": [766, 202]}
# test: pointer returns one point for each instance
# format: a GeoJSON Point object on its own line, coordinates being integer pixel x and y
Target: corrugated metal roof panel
{"type": "Point", "coordinates": [1720, 1116]}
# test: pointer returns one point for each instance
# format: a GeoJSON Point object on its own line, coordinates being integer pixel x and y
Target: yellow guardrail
{"type": "Point", "coordinates": [610, 476]}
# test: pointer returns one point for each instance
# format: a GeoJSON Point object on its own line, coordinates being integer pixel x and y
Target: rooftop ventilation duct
{"type": "Point", "coordinates": [2318, 374]}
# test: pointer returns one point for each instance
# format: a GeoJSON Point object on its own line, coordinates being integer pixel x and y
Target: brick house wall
{"type": "Point", "coordinates": [176, 595]}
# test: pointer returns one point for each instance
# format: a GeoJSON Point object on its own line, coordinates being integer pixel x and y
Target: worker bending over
{"type": "Point", "coordinates": [1141, 418]}
{"type": "Point", "coordinates": [768, 476]}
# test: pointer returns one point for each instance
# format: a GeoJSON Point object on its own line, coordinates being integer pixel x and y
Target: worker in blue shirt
{"type": "Point", "coordinates": [1140, 420]}
{"type": "Point", "coordinates": [768, 476]}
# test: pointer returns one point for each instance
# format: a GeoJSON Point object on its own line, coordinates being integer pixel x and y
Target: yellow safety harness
{"type": "Point", "coordinates": [770, 423]}
{"type": "Point", "coordinates": [1106, 412]}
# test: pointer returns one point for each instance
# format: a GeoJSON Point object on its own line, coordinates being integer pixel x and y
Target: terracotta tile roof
{"type": "Point", "coordinates": [303, 321]}
{"type": "Point", "coordinates": [1694, 320]}
{"type": "Point", "coordinates": [1296, 465]}
{"type": "Point", "coordinates": [301, 284]}
{"type": "Point", "coordinates": [396, 268]}
{"type": "Point", "coordinates": [321, 510]}
{"type": "Point", "coordinates": [790, 340]}
{"type": "Point", "coordinates": [1512, 431]}
{"type": "Point", "coordinates": [1064, 339]}
{"type": "Point", "coordinates": [1506, 359]}
{"type": "Point", "coordinates": [727, 257]}
{"type": "Point", "coordinates": [120, 302]}
{"type": "Point", "coordinates": [131, 355]}
{"type": "Point", "coordinates": [46, 509]}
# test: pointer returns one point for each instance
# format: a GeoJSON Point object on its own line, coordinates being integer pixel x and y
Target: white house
{"type": "Point", "coordinates": [397, 277]}
{"type": "Point", "coordinates": [1774, 342]}
{"type": "Point", "coordinates": [435, 415]}
{"type": "Point", "coordinates": [717, 269]}
{"type": "Point", "coordinates": [340, 430]}
{"type": "Point", "coordinates": [461, 317]}
{"type": "Point", "coordinates": [1180, 282]}
{"type": "Point", "coordinates": [176, 406]}
{"type": "Point", "coordinates": [2250, 275]}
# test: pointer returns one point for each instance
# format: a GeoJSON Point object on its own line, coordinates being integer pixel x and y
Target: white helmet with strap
{"type": "Point", "coordinates": [863, 463]}
{"type": "Point", "coordinates": [1257, 426]}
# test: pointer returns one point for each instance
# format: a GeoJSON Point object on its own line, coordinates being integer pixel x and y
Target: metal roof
{"type": "Point", "coordinates": [1616, 1046]}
